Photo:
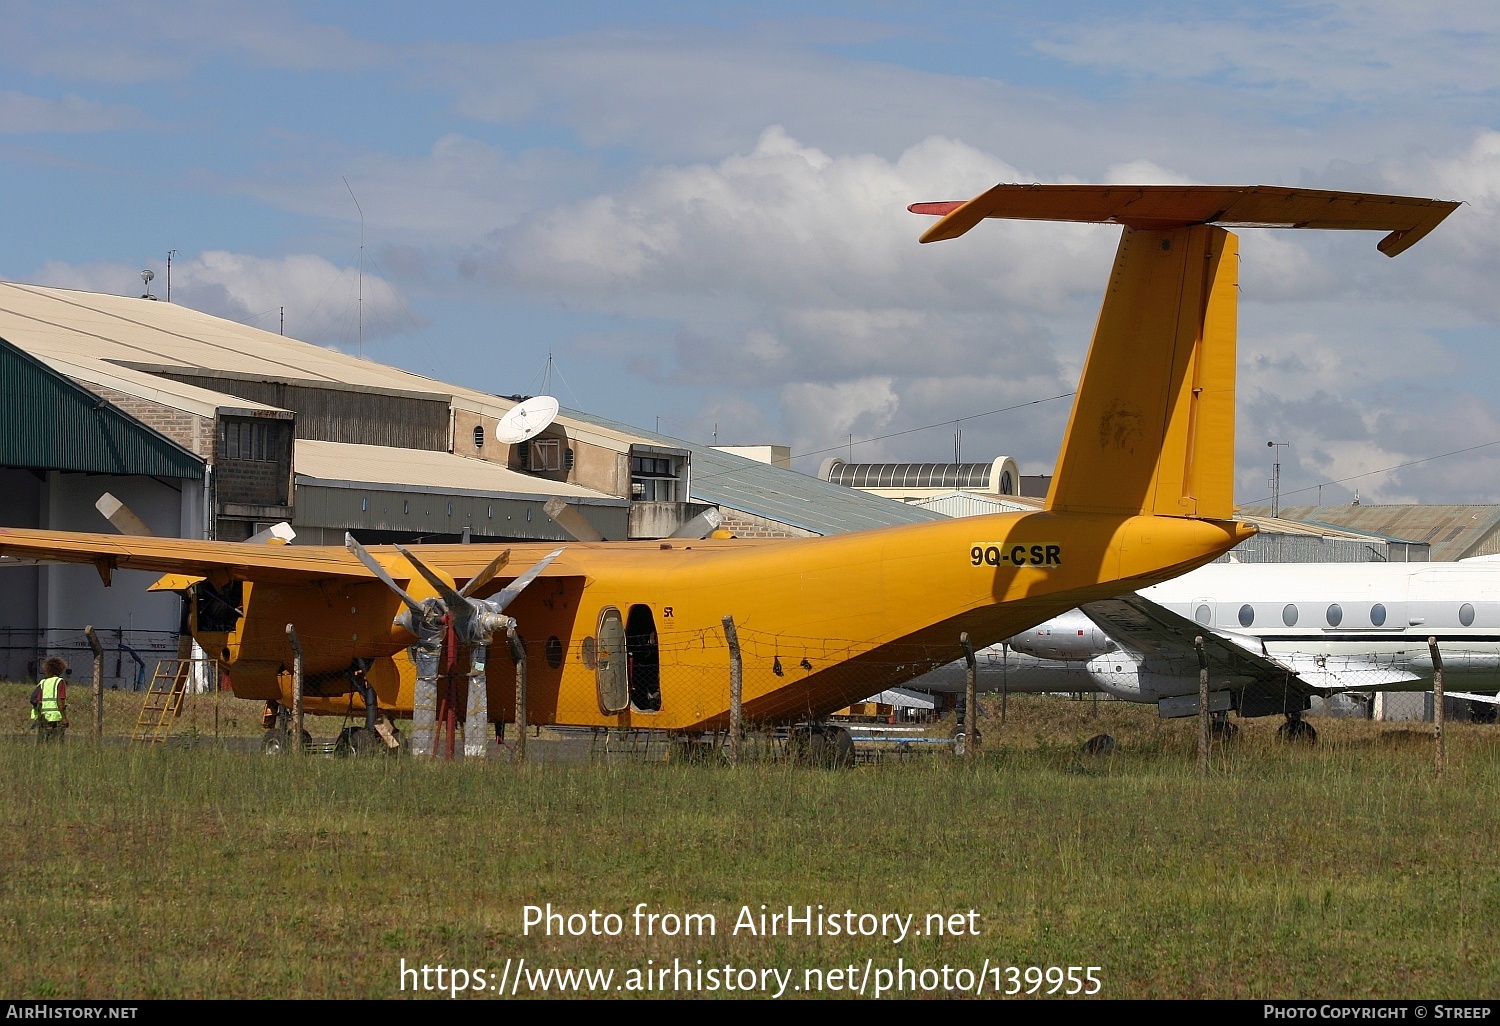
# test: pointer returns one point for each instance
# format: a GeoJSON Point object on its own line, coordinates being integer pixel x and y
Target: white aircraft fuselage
{"type": "Point", "coordinates": [1338, 626]}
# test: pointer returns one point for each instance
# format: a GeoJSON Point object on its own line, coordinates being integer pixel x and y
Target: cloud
{"type": "Point", "coordinates": [322, 301]}
{"type": "Point", "coordinates": [151, 41]}
{"type": "Point", "coordinates": [21, 113]}
{"type": "Point", "coordinates": [1303, 54]}
{"type": "Point", "coordinates": [452, 195]}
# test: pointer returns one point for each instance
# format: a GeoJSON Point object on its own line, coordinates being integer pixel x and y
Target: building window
{"type": "Point", "coordinates": [254, 440]}
{"type": "Point", "coordinates": [479, 436]}
{"type": "Point", "coordinates": [653, 479]}
{"type": "Point", "coordinates": [546, 454]}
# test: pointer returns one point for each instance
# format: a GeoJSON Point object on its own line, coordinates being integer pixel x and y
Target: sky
{"type": "Point", "coordinates": [692, 217]}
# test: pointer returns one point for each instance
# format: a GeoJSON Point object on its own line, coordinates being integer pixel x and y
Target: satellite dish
{"type": "Point", "coordinates": [526, 420]}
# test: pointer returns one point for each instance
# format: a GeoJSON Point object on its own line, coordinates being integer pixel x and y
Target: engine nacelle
{"type": "Point", "coordinates": [1070, 636]}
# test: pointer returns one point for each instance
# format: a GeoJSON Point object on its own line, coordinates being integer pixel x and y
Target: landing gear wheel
{"type": "Point", "coordinates": [1099, 744]}
{"type": "Point", "coordinates": [1220, 729]}
{"type": "Point", "coordinates": [1483, 712]}
{"type": "Point", "coordinates": [822, 745]}
{"type": "Point", "coordinates": [359, 743]}
{"type": "Point", "coordinates": [276, 741]}
{"type": "Point", "coordinates": [1297, 729]}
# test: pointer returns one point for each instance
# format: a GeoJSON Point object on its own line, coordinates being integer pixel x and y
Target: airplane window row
{"type": "Point", "coordinates": [1333, 616]}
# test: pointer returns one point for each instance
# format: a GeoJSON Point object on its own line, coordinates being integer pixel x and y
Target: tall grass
{"type": "Point", "coordinates": [1340, 870]}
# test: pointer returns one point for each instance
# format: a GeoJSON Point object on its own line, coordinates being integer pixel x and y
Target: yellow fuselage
{"type": "Point", "coordinates": [840, 617]}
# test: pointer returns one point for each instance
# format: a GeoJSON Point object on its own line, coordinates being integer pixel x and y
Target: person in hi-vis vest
{"type": "Point", "coordinates": [49, 701]}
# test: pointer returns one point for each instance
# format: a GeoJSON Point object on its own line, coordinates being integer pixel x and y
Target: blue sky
{"type": "Point", "coordinates": [699, 209]}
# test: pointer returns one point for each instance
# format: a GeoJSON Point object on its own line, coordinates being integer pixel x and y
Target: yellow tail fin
{"type": "Point", "coordinates": [1152, 428]}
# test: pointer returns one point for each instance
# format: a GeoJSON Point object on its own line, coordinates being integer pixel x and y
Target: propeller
{"type": "Point", "coordinates": [452, 619]}
{"type": "Point", "coordinates": [474, 620]}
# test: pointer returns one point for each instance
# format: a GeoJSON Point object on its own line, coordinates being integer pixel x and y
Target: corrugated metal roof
{"type": "Point", "coordinates": [48, 422]}
{"type": "Point", "coordinates": [172, 394]}
{"type": "Point", "coordinates": [334, 463]}
{"type": "Point", "coordinates": [1453, 531]}
{"type": "Point", "coordinates": [66, 324]}
{"type": "Point", "coordinates": [972, 504]}
{"type": "Point", "coordinates": [784, 496]}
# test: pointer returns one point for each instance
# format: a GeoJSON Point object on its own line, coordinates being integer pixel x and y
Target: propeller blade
{"type": "Point", "coordinates": [379, 571]}
{"type": "Point", "coordinates": [121, 516]}
{"type": "Point", "coordinates": [276, 534]}
{"type": "Point", "coordinates": [514, 588]}
{"type": "Point", "coordinates": [486, 575]}
{"type": "Point", "coordinates": [570, 520]}
{"type": "Point", "coordinates": [450, 597]}
{"type": "Point", "coordinates": [700, 526]}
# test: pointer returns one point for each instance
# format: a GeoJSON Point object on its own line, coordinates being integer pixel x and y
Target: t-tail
{"type": "Point", "coordinates": [1152, 427]}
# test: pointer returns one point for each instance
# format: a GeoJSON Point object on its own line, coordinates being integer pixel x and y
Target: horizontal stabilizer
{"type": "Point", "coordinates": [1157, 207]}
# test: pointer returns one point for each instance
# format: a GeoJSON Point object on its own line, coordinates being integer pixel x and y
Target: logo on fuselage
{"type": "Point", "coordinates": [1008, 554]}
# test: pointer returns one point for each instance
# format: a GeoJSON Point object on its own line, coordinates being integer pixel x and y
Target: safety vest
{"type": "Point", "coordinates": [51, 708]}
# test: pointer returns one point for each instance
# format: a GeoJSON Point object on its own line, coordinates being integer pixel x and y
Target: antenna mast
{"type": "Point", "coordinates": [1276, 476]}
{"type": "Point", "coordinates": [361, 264]}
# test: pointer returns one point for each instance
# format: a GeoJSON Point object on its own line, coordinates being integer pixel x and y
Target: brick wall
{"type": "Point", "coordinates": [186, 429]}
{"type": "Point", "coordinates": [748, 525]}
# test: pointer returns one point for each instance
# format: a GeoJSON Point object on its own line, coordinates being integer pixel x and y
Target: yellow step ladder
{"type": "Point", "coordinates": [163, 702]}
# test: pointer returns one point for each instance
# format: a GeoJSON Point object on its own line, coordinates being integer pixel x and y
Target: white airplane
{"type": "Point", "coordinates": [1275, 634]}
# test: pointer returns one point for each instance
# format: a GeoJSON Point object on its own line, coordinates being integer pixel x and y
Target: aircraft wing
{"type": "Point", "coordinates": [1165, 640]}
{"type": "Point", "coordinates": [1242, 663]}
{"type": "Point", "coordinates": [280, 564]}
{"type": "Point", "coordinates": [1351, 673]}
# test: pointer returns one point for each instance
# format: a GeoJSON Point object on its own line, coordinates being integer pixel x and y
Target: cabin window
{"type": "Point", "coordinates": [611, 666]}
{"type": "Point", "coordinates": [1247, 615]}
{"type": "Point", "coordinates": [1466, 615]}
{"type": "Point", "coordinates": [554, 651]}
{"type": "Point", "coordinates": [644, 660]}
{"type": "Point", "coordinates": [1203, 614]}
{"type": "Point", "coordinates": [1377, 615]}
{"type": "Point", "coordinates": [1289, 615]}
{"type": "Point", "coordinates": [1335, 615]}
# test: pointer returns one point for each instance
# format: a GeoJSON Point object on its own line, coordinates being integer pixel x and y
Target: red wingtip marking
{"type": "Point", "coordinates": [937, 209]}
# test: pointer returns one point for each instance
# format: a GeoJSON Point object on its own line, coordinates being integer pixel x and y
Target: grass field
{"type": "Point", "coordinates": [1344, 870]}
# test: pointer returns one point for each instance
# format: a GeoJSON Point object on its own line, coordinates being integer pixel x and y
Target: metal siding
{"type": "Point", "coordinates": [340, 509]}
{"type": "Point", "coordinates": [1453, 530]}
{"type": "Point", "coordinates": [49, 423]}
{"type": "Point", "coordinates": [767, 491]}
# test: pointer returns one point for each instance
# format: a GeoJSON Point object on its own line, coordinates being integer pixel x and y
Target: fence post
{"type": "Point", "coordinates": [1202, 706]}
{"type": "Point", "coordinates": [1437, 702]}
{"type": "Point", "coordinates": [518, 656]}
{"type": "Point", "coordinates": [295, 741]}
{"type": "Point", "coordinates": [98, 682]}
{"type": "Point", "coordinates": [736, 690]}
{"type": "Point", "coordinates": [971, 699]}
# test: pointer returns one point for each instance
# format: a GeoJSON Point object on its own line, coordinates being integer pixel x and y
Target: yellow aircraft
{"type": "Point", "coordinates": [627, 634]}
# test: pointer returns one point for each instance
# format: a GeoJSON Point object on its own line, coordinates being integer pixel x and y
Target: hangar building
{"type": "Point", "coordinates": [208, 428]}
